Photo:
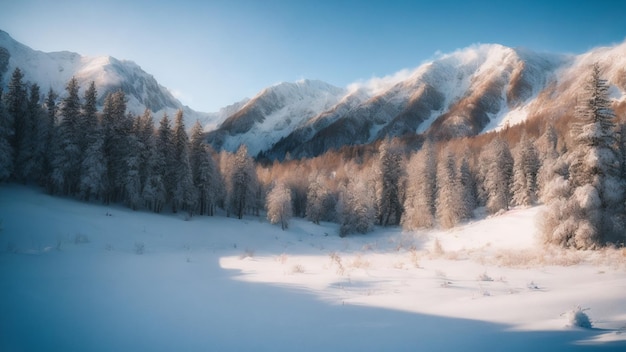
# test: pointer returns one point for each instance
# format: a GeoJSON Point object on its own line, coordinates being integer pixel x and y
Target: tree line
{"type": "Point", "coordinates": [71, 149]}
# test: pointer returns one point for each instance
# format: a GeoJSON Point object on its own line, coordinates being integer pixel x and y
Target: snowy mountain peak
{"type": "Point", "coordinates": [55, 69]}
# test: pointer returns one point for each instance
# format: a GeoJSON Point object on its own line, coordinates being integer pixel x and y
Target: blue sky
{"type": "Point", "coordinates": [213, 53]}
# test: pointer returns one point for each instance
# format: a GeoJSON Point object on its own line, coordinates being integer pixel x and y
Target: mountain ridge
{"type": "Point", "coordinates": [55, 69]}
{"type": "Point", "coordinates": [477, 89]}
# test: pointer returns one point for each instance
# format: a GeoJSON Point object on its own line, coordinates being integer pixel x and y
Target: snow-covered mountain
{"type": "Point", "coordinates": [54, 70]}
{"type": "Point", "coordinates": [275, 113]}
{"type": "Point", "coordinates": [470, 91]}
{"type": "Point", "coordinates": [474, 90]}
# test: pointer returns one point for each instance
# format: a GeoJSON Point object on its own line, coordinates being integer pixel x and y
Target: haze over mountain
{"type": "Point", "coordinates": [464, 93]}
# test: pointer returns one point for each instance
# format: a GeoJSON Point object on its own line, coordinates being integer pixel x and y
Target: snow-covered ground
{"type": "Point", "coordinates": [86, 277]}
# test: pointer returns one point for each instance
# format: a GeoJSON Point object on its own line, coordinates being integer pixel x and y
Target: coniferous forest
{"type": "Point", "coordinates": [576, 166]}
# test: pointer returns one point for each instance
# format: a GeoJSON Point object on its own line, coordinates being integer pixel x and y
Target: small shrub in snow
{"type": "Point", "coordinates": [140, 248]}
{"type": "Point", "coordinates": [336, 259]}
{"type": "Point", "coordinates": [578, 318]}
{"type": "Point", "coordinates": [532, 286]}
{"type": "Point", "coordinates": [484, 277]}
{"type": "Point", "coordinates": [297, 269]}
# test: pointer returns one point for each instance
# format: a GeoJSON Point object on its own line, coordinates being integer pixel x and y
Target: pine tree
{"type": "Point", "coordinates": [16, 122]}
{"type": "Point", "coordinates": [68, 155]}
{"type": "Point", "coordinates": [204, 171]}
{"type": "Point", "coordinates": [549, 162]}
{"type": "Point", "coordinates": [419, 206]}
{"type": "Point", "coordinates": [356, 207]}
{"type": "Point", "coordinates": [241, 183]}
{"type": "Point", "coordinates": [6, 151]}
{"type": "Point", "coordinates": [47, 139]}
{"type": "Point", "coordinates": [184, 194]}
{"type": "Point", "coordinates": [389, 169]}
{"type": "Point", "coordinates": [525, 170]}
{"type": "Point", "coordinates": [26, 163]}
{"type": "Point", "coordinates": [496, 171]}
{"type": "Point", "coordinates": [93, 167]}
{"type": "Point", "coordinates": [450, 206]}
{"type": "Point", "coordinates": [116, 128]}
{"type": "Point", "coordinates": [143, 129]}
{"type": "Point", "coordinates": [132, 172]}
{"type": "Point", "coordinates": [88, 119]}
{"type": "Point", "coordinates": [590, 212]}
{"type": "Point", "coordinates": [317, 197]}
{"type": "Point", "coordinates": [165, 148]}
{"type": "Point", "coordinates": [37, 140]}
{"type": "Point", "coordinates": [467, 183]}
{"type": "Point", "coordinates": [279, 206]}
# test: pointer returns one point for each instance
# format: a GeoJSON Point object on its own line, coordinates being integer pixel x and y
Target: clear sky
{"type": "Point", "coordinates": [212, 53]}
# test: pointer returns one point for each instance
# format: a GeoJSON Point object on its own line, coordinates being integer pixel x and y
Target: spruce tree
{"type": "Point", "coordinates": [16, 119]}
{"type": "Point", "coordinates": [525, 170]}
{"type": "Point", "coordinates": [116, 128]}
{"type": "Point", "coordinates": [590, 213]}
{"type": "Point", "coordinates": [241, 183]}
{"type": "Point", "coordinates": [38, 129]}
{"type": "Point", "coordinates": [205, 174]}
{"type": "Point", "coordinates": [450, 206]}
{"type": "Point", "coordinates": [165, 149]}
{"type": "Point", "coordinates": [389, 170]}
{"type": "Point", "coordinates": [496, 168]}
{"type": "Point", "coordinates": [68, 154]}
{"type": "Point", "coordinates": [419, 205]}
{"type": "Point", "coordinates": [184, 194]}
{"type": "Point", "coordinates": [47, 139]}
{"type": "Point", "coordinates": [356, 207]}
{"type": "Point", "coordinates": [6, 151]}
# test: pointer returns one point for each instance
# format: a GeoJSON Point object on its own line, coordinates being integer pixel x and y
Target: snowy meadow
{"type": "Point", "coordinates": [76, 276]}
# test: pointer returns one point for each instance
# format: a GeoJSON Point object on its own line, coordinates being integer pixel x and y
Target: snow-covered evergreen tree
{"type": "Point", "coordinates": [47, 139]}
{"type": "Point", "coordinates": [356, 207]}
{"type": "Point", "coordinates": [496, 168]}
{"type": "Point", "coordinates": [37, 145]}
{"type": "Point", "coordinates": [15, 101]}
{"type": "Point", "coordinates": [132, 173]}
{"type": "Point", "coordinates": [550, 165]}
{"type": "Point", "coordinates": [205, 174]}
{"type": "Point", "coordinates": [184, 194]}
{"type": "Point", "coordinates": [389, 172]}
{"type": "Point", "coordinates": [241, 183]}
{"type": "Point", "coordinates": [26, 162]}
{"type": "Point", "coordinates": [467, 184]}
{"type": "Point", "coordinates": [525, 170]}
{"type": "Point", "coordinates": [66, 161]}
{"type": "Point", "coordinates": [93, 168]}
{"type": "Point", "coordinates": [116, 127]}
{"type": "Point", "coordinates": [6, 151]}
{"type": "Point", "coordinates": [279, 206]}
{"type": "Point", "coordinates": [419, 205]}
{"type": "Point", "coordinates": [317, 195]}
{"type": "Point", "coordinates": [154, 193]}
{"type": "Point", "coordinates": [590, 212]}
{"type": "Point", "coordinates": [450, 206]}
{"type": "Point", "coordinates": [165, 148]}
{"type": "Point", "coordinates": [143, 130]}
